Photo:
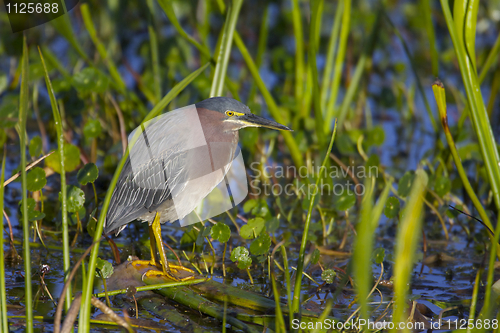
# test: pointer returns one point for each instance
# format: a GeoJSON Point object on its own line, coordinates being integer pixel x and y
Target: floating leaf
{"type": "Point", "coordinates": [345, 201]}
{"type": "Point", "coordinates": [87, 174]}
{"type": "Point", "coordinates": [35, 146]}
{"type": "Point", "coordinates": [104, 267]}
{"type": "Point", "coordinates": [376, 136]}
{"type": "Point", "coordinates": [220, 232]}
{"type": "Point", "coordinates": [240, 255]}
{"type": "Point", "coordinates": [33, 215]}
{"type": "Point", "coordinates": [71, 159]}
{"type": "Point", "coordinates": [36, 179]}
{"type": "Point", "coordinates": [315, 257]}
{"type": "Point", "coordinates": [328, 275]}
{"type": "Point", "coordinates": [261, 209]}
{"type": "Point", "coordinates": [8, 114]}
{"type": "Point", "coordinates": [249, 205]}
{"type": "Point", "coordinates": [372, 166]}
{"type": "Point", "coordinates": [442, 186]}
{"type": "Point", "coordinates": [76, 199]}
{"type": "Point", "coordinates": [261, 244]}
{"type": "Point", "coordinates": [272, 225]}
{"type": "Point", "coordinates": [391, 207]}
{"type": "Point", "coordinates": [253, 228]}
{"type": "Point", "coordinates": [404, 185]}
{"type": "Point", "coordinates": [90, 80]}
{"type": "Point", "coordinates": [379, 255]}
{"type": "Point", "coordinates": [92, 129]}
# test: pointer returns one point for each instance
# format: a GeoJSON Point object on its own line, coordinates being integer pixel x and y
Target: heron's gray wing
{"type": "Point", "coordinates": [155, 168]}
{"type": "Point", "coordinates": [142, 191]}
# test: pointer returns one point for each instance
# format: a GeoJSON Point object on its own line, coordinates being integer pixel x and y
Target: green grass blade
{"type": "Point", "coordinates": [63, 26]}
{"type": "Point", "coordinates": [409, 232]}
{"type": "Point", "coordinates": [225, 48]}
{"type": "Point", "coordinates": [478, 113]}
{"type": "Point", "coordinates": [153, 43]}
{"type": "Point", "coordinates": [431, 36]}
{"type": "Point", "coordinates": [166, 5]}
{"type": "Point", "coordinates": [23, 115]}
{"type": "Point", "coordinates": [88, 287]}
{"type": "Point", "coordinates": [261, 48]}
{"type": "Point", "coordinates": [314, 31]}
{"type": "Point", "coordinates": [3, 296]}
{"type": "Point", "coordinates": [492, 57]}
{"type": "Point", "coordinates": [330, 56]}
{"type": "Point", "coordinates": [339, 63]}
{"type": "Point", "coordinates": [299, 51]}
{"type": "Point", "coordinates": [271, 104]}
{"type": "Point", "coordinates": [358, 73]}
{"type": "Point", "coordinates": [113, 71]}
{"type": "Point", "coordinates": [305, 233]}
{"type": "Point", "coordinates": [363, 247]}
{"type": "Point", "coordinates": [64, 207]}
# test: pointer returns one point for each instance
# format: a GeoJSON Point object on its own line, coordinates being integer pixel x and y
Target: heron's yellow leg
{"type": "Point", "coordinates": [152, 247]}
{"type": "Point", "coordinates": [171, 271]}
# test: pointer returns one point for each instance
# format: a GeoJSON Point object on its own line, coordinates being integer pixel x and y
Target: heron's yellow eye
{"type": "Point", "coordinates": [229, 113]}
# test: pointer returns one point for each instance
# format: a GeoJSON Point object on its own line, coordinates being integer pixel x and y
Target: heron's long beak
{"type": "Point", "coordinates": [252, 120]}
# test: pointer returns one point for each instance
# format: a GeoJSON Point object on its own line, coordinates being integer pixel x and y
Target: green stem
{"type": "Point", "coordinates": [23, 115]}
{"type": "Point", "coordinates": [339, 63]}
{"type": "Point", "coordinates": [64, 199]}
{"type": "Point", "coordinates": [299, 51]}
{"type": "Point", "coordinates": [153, 42]}
{"type": "Point", "coordinates": [225, 48]}
{"type": "Point", "coordinates": [303, 244]}
{"type": "Point", "coordinates": [314, 31]}
{"type": "Point", "coordinates": [3, 296]}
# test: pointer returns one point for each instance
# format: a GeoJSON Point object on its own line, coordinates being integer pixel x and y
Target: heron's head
{"type": "Point", "coordinates": [237, 115]}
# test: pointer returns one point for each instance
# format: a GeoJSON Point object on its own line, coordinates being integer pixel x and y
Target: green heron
{"type": "Point", "coordinates": [169, 171]}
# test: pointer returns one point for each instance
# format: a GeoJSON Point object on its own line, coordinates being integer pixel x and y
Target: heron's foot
{"type": "Point", "coordinates": [138, 263]}
{"type": "Point", "coordinates": [174, 272]}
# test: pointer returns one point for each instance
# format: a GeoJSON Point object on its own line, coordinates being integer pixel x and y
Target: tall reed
{"type": "Point", "coordinates": [3, 295]}
{"type": "Point", "coordinates": [23, 115]}
{"type": "Point", "coordinates": [64, 200]}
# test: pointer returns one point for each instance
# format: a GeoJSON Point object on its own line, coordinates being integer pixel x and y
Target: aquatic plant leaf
{"type": "Point", "coordinates": [372, 166]}
{"type": "Point", "coordinates": [249, 205]}
{"type": "Point", "coordinates": [8, 114]}
{"type": "Point", "coordinates": [345, 201]}
{"type": "Point", "coordinates": [442, 186]}
{"type": "Point", "coordinates": [272, 225]}
{"type": "Point", "coordinates": [220, 232]}
{"type": "Point", "coordinates": [261, 209]}
{"type": "Point", "coordinates": [328, 275]}
{"type": "Point", "coordinates": [36, 179]}
{"type": "Point", "coordinates": [71, 159]}
{"type": "Point", "coordinates": [315, 257]}
{"type": "Point", "coordinates": [261, 244]}
{"type": "Point", "coordinates": [33, 215]}
{"type": "Point", "coordinates": [104, 267]}
{"type": "Point", "coordinates": [76, 199]}
{"type": "Point", "coordinates": [35, 146]}
{"type": "Point", "coordinates": [376, 136]}
{"type": "Point", "coordinates": [405, 183]}
{"type": "Point", "coordinates": [87, 174]}
{"type": "Point", "coordinates": [92, 129]}
{"type": "Point", "coordinates": [379, 255]}
{"type": "Point", "coordinates": [189, 236]}
{"type": "Point", "coordinates": [90, 80]}
{"type": "Point", "coordinates": [241, 256]}
{"type": "Point", "coordinates": [345, 144]}
{"type": "Point", "coordinates": [253, 228]}
{"type": "Point", "coordinates": [391, 207]}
